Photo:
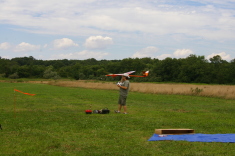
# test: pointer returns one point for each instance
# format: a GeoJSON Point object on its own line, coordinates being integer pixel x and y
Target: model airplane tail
{"type": "Point", "coordinates": [145, 74]}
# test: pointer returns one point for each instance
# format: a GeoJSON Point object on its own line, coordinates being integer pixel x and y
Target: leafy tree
{"type": "Point", "coordinates": [192, 69]}
{"type": "Point", "coordinates": [4, 65]}
{"type": "Point", "coordinates": [216, 59]}
{"type": "Point", "coordinates": [232, 72]}
{"type": "Point", "coordinates": [113, 67]}
{"type": "Point", "coordinates": [37, 71]}
{"type": "Point", "coordinates": [65, 72]}
{"type": "Point", "coordinates": [50, 74]}
{"type": "Point", "coordinates": [75, 71]}
{"type": "Point", "coordinates": [23, 71]}
{"type": "Point", "coordinates": [130, 64]}
{"type": "Point", "coordinates": [24, 60]}
{"type": "Point", "coordinates": [82, 76]}
{"type": "Point", "coordinates": [167, 69]}
{"type": "Point", "coordinates": [219, 70]}
{"type": "Point", "coordinates": [101, 72]}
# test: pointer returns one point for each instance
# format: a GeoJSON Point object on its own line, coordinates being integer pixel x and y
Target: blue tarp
{"type": "Point", "coordinates": [196, 137]}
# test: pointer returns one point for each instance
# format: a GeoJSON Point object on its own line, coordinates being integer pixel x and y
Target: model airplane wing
{"type": "Point", "coordinates": [145, 74]}
{"type": "Point", "coordinates": [114, 75]}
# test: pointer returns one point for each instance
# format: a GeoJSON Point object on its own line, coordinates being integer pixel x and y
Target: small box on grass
{"type": "Point", "coordinates": [174, 131]}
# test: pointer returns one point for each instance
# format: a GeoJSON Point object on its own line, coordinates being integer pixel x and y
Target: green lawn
{"type": "Point", "coordinates": [53, 122]}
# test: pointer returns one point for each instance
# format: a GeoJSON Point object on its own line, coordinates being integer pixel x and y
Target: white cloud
{"type": "Point", "coordinates": [151, 51]}
{"type": "Point", "coordinates": [181, 53]}
{"type": "Point", "coordinates": [145, 52]}
{"type": "Point", "coordinates": [81, 55]}
{"type": "Point", "coordinates": [63, 43]}
{"type": "Point", "coordinates": [5, 46]}
{"type": "Point", "coordinates": [223, 55]}
{"type": "Point", "coordinates": [45, 46]}
{"type": "Point", "coordinates": [26, 47]}
{"type": "Point", "coordinates": [98, 42]}
{"type": "Point", "coordinates": [120, 17]}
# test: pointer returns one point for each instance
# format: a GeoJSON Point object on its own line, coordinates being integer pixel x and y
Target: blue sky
{"type": "Point", "coordinates": [110, 29]}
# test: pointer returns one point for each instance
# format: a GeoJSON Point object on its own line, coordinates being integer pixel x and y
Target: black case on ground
{"type": "Point", "coordinates": [105, 111]}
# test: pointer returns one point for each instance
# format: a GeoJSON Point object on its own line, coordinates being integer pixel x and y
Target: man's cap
{"type": "Point", "coordinates": [126, 75]}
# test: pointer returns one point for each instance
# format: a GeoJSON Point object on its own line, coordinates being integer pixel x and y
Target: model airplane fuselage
{"type": "Point", "coordinates": [145, 74]}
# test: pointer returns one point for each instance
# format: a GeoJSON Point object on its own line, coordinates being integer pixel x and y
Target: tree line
{"type": "Point", "coordinates": [192, 69]}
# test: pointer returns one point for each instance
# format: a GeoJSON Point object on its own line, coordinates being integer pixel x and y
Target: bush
{"type": "Point", "coordinates": [14, 76]}
{"type": "Point", "coordinates": [2, 75]}
{"type": "Point", "coordinates": [196, 90]}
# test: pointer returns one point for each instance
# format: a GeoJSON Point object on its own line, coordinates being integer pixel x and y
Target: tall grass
{"type": "Point", "coordinates": [53, 122]}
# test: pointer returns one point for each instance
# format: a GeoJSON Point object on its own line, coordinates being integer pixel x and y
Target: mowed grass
{"type": "Point", "coordinates": [53, 122]}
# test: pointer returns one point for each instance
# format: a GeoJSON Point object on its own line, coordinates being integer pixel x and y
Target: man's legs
{"type": "Point", "coordinates": [125, 109]}
{"type": "Point", "coordinates": [122, 103]}
{"type": "Point", "coordinates": [119, 107]}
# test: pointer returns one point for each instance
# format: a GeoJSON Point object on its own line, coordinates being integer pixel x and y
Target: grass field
{"type": "Point", "coordinates": [53, 122]}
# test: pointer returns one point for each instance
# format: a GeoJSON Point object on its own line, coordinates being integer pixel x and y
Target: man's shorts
{"type": "Point", "coordinates": [122, 100]}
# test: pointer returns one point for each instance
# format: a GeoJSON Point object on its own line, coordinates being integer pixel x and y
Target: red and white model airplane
{"type": "Point", "coordinates": [145, 74]}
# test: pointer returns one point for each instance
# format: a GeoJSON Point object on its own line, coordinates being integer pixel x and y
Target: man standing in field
{"type": "Point", "coordinates": [124, 85]}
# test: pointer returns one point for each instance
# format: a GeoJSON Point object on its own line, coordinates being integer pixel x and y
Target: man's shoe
{"type": "Point", "coordinates": [116, 111]}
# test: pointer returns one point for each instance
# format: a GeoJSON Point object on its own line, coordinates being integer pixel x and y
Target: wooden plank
{"type": "Point", "coordinates": [174, 131]}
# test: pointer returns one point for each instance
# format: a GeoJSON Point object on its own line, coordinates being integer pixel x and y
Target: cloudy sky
{"type": "Point", "coordinates": [117, 29]}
